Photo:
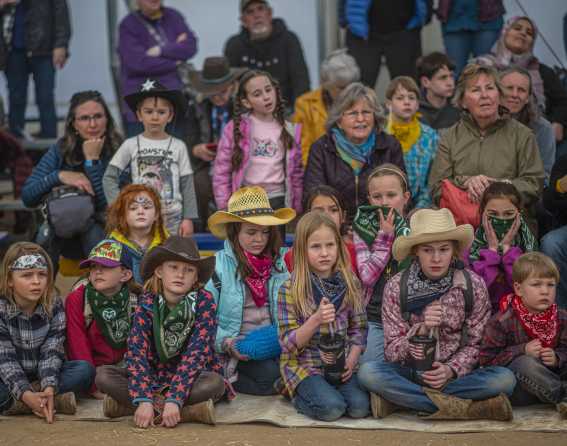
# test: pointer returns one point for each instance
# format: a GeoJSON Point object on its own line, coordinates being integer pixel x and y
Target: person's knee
{"type": "Point", "coordinates": [104, 377]}
{"type": "Point", "coordinates": [369, 375]}
{"type": "Point", "coordinates": [359, 405]}
{"type": "Point", "coordinates": [332, 410]}
{"type": "Point", "coordinates": [553, 243]}
{"type": "Point", "coordinates": [501, 380]}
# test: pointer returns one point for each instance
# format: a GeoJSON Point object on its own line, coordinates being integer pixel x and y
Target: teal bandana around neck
{"type": "Point", "coordinates": [366, 223]}
{"type": "Point", "coordinates": [355, 155]}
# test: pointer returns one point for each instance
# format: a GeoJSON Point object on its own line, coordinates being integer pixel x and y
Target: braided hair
{"type": "Point", "coordinates": [240, 110]}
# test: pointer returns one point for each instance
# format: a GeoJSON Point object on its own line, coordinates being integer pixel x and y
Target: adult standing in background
{"type": "Point", "coordinates": [470, 28]}
{"type": "Point", "coordinates": [153, 41]}
{"type": "Point", "coordinates": [34, 40]}
{"type": "Point", "coordinates": [265, 43]}
{"type": "Point", "coordinates": [384, 27]}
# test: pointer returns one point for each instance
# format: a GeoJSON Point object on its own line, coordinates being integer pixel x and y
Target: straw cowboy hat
{"type": "Point", "coordinates": [249, 204]}
{"type": "Point", "coordinates": [428, 225]}
{"type": "Point", "coordinates": [215, 77]}
{"type": "Point", "coordinates": [181, 249]}
{"type": "Point", "coordinates": [151, 88]}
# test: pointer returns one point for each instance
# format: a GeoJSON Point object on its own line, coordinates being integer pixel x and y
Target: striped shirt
{"type": "Point", "coordinates": [31, 346]}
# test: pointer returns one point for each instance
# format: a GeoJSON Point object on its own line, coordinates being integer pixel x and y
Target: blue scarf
{"type": "Point", "coordinates": [355, 155]}
{"type": "Point", "coordinates": [333, 288]}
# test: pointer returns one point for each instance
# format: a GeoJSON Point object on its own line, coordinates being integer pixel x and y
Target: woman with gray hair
{"type": "Point", "coordinates": [353, 145]}
{"type": "Point", "coordinates": [486, 145]}
{"type": "Point", "coordinates": [337, 71]}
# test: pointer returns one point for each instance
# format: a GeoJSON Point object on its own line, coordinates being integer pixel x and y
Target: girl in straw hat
{"type": "Point", "coordinates": [443, 302]}
{"type": "Point", "coordinates": [171, 365]}
{"type": "Point", "coordinates": [248, 274]}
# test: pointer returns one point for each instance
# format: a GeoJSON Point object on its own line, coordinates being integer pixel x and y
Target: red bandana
{"type": "Point", "coordinates": [543, 326]}
{"type": "Point", "coordinates": [258, 281]}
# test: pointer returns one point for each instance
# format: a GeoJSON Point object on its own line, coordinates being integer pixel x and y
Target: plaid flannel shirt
{"type": "Point", "coordinates": [296, 363]}
{"type": "Point", "coordinates": [31, 346]}
{"type": "Point", "coordinates": [505, 339]}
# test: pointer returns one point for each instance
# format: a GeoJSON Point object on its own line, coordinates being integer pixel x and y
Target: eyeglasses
{"type": "Point", "coordinates": [88, 118]}
{"type": "Point", "coordinates": [352, 115]}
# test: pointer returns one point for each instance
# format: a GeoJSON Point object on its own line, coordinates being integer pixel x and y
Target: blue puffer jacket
{"type": "Point", "coordinates": [353, 14]}
{"type": "Point", "coordinates": [231, 300]}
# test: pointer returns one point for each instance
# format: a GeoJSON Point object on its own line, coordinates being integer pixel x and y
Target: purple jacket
{"type": "Point", "coordinates": [135, 40]}
{"type": "Point", "coordinates": [226, 181]}
{"type": "Point", "coordinates": [488, 10]}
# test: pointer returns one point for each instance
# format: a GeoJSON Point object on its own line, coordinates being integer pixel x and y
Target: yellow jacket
{"type": "Point", "coordinates": [311, 113]}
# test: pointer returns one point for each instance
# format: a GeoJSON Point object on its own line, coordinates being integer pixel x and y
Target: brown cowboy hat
{"type": "Point", "coordinates": [151, 88]}
{"type": "Point", "coordinates": [181, 249]}
{"type": "Point", "coordinates": [215, 76]}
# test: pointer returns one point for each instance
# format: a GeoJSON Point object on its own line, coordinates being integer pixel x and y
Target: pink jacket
{"type": "Point", "coordinates": [226, 181]}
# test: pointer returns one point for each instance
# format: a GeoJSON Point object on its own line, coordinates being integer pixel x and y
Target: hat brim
{"type": "Point", "coordinates": [173, 96]}
{"type": "Point", "coordinates": [210, 88]}
{"type": "Point", "coordinates": [217, 221]}
{"type": "Point", "coordinates": [160, 254]}
{"type": "Point", "coordinates": [463, 235]}
{"type": "Point", "coordinates": [99, 261]}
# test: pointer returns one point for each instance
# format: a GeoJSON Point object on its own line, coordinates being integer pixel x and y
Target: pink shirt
{"type": "Point", "coordinates": [266, 166]}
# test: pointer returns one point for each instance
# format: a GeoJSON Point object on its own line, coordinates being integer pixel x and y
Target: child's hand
{"type": "Point", "coordinates": [438, 376]}
{"type": "Point", "coordinates": [35, 401]}
{"type": "Point", "coordinates": [171, 415]}
{"type": "Point", "coordinates": [511, 234]}
{"type": "Point", "coordinates": [548, 357]}
{"type": "Point", "coordinates": [387, 223]}
{"type": "Point", "coordinates": [144, 415]}
{"type": "Point", "coordinates": [433, 314]}
{"type": "Point", "coordinates": [233, 351]}
{"type": "Point", "coordinates": [350, 365]}
{"type": "Point", "coordinates": [491, 238]}
{"type": "Point", "coordinates": [533, 348]}
{"type": "Point", "coordinates": [325, 314]}
{"type": "Point", "coordinates": [186, 228]}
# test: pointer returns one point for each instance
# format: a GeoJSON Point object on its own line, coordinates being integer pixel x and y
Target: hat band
{"type": "Point", "coordinates": [216, 81]}
{"type": "Point", "coordinates": [253, 212]}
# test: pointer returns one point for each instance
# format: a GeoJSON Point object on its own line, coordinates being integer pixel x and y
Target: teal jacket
{"type": "Point", "coordinates": [230, 303]}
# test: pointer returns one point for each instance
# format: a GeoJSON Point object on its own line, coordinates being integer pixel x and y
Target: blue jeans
{"type": "Point", "coordinates": [75, 376]}
{"type": "Point", "coordinates": [536, 383]}
{"type": "Point", "coordinates": [554, 244]}
{"type": "Point", "coordinates": [318, 399]}
{"type": "Point", "coordinates": [374, 343]}
{"type": "Point", "coordinates": [395, 383]}
{"type": "Point", "coordinates": [257, 377]}
{"type": "Point", "coordinates": [18, 68]}
{"type": "Point", "coordinates": [460, 45]}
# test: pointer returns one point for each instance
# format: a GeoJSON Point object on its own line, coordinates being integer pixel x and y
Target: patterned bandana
{"type": "Point", "coordinates": [524, 239]}
{"type": "Point", "coordinates": [543, 326]}
{"type": "Point", "coordinates": [367, 223]}
{"type": "Point", "coordinates": [29, 261]}
{"type": "Point", "coordinates": [407, 133]}
{"type": "Point", "coordinates": [422, 290]}
{"type": "Point", "coordinates": [333, 288]}
{"type": "Point", "coordinates": [355, 155]}
{"type": "Point", "coordinates": [172, 326]}
{"type": "Point", "coordinates": [111, 314]}
{"type": "Point", "coordinates": [258, 281]}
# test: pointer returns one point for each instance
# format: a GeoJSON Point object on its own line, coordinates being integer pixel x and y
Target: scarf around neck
{"type": "Point", "coordinates": [171, 327]}
{"type": "Point", "coordinates": [257, 281]}
{"type": "Point", "coordinates": [366, 223]}
{"type": "Point", "coordinates": [524, 239]}
{"type": "Point", "coordinates": [422, 290]}
{"type": "Point", "coordinates": [407, 133]}
{"type": "Point", "coordinates": [355, 155]}
{"type": "Point", "coordinates": [111, 314]}
{"type": "Point", "coordinates": [543, 326]}
{"type": "Point", "coordinates": [333, 288]}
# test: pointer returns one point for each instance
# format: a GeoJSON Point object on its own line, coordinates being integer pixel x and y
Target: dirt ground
{"type": "Point", "coordinates": [29, 431]}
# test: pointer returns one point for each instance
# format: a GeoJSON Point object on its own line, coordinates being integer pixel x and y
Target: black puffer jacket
{"type": "Point", "coordinates": [47, 26]}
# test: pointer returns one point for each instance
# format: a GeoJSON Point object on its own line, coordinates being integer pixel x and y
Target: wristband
{"type": "Point", "coordinates": [91, 163]}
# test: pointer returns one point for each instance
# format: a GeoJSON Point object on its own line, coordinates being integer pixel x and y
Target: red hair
{"type": "Point", "coordinates": [116, 213]}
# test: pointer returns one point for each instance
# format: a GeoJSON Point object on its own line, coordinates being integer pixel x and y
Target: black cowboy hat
{"type": "Point", "coordinates": [215, 76]}
{"type": "Point", "coordinates": [151, 88]}
{"type": "Point", "coordinates": [181, 249]}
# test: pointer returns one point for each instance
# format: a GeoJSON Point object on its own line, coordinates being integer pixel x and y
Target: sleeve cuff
{"type": "Point", "coordinates": [137, 401]}
{"type": "Point", "coordinates": [50, 381]}
{"type": "Point", "coordinates": [173, 400]}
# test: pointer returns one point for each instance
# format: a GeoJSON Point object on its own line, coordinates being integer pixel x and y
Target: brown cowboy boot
{"type": "Point", "coordinates": [65, 403]}
{"type": "Point", "coordinates": [452, 408]}
{"type": "Point", "coordinates": [113, 409]}
{"type": "Point", "coordinates": [381, 407]}
{"type": "Point", "coordinates": [201, 412]}
{"type": "Point", "coordinates": [562, 409]}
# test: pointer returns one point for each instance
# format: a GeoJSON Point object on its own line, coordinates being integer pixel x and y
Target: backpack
{"type": "Point", "coordinates": [69, 211]}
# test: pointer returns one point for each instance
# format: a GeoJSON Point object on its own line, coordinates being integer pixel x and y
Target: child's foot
{"type": "Point", "coordinates": [562, 409]}
{"type": "Point", "coordinates": [113, 409]}
{"type": "Point", "coordinates": [381, 407]}
{"type": "Point", "coordinates": [65, 403]}
{"type": "Point", "coordinates": [18, 408]}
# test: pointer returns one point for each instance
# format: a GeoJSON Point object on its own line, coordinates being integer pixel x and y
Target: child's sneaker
{"type": "Point", "coordinates": [65, 403]}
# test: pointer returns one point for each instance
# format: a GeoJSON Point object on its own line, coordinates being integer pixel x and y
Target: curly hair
{"type": "Point", "coordinates": [116, 212]}
{"type": "Point", "coordinates": [240, 109]}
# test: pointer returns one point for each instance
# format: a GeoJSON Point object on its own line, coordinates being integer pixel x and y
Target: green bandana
{"type": "Point", "coordinates": [172, 326]}
{"type": "Point", "coordinates": [367, 223]}
{"type": "Point", "coordinates": [524, 239]}
{"type": "Point", "coordinates": [111, 314]}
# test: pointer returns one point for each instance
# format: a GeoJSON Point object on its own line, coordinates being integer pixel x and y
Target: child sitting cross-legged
{"type": "Point", "coordinates": [171, 367]}
{"type": "Point", "coordinates": [529, 334]}
{"type": "Point", "coordinates": [99, 310]}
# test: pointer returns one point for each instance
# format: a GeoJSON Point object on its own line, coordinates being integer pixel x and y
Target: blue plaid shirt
{"type": "Point", "coordinates": [31, 346]}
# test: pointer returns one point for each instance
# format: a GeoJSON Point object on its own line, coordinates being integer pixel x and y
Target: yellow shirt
{"type": "Point", "coordinates": [311, 113]}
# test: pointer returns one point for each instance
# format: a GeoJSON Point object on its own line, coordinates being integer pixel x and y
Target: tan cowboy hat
{"type": "Point", "coordinates": [249, 204]}
{"type": "Point", "coordinates": [429, 225]}
{"type": "Point", "coordinates": [181, 249]}
{"type": "Point", "coordinates": [215, 77]}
